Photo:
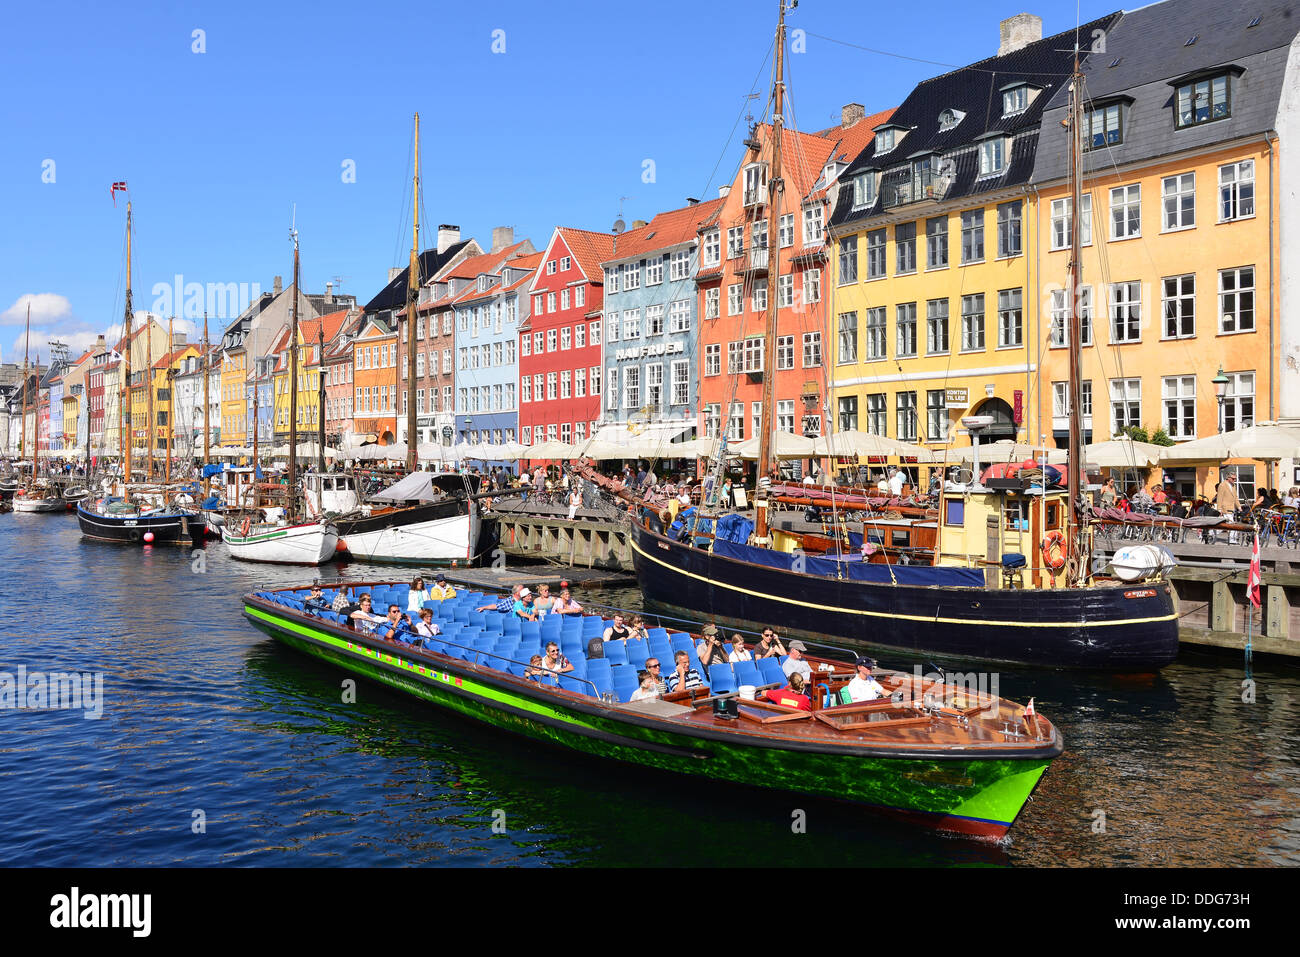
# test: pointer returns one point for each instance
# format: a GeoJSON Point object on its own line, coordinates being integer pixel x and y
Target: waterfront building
{"type": "Point", "coordinates": [187, 418]}
{"type": "Point", "coordinates": [934, 268]}
{"type": "Point", "coordinates": [338, 382]}
{"type": "Point", "coordinates": [99, 358]}
{"type": "Point", "coordinates": [651, 316]}
{"type": "Point", "coordinates": [374, 361]}
{"type": "Point", "coordinates": [162, 383]}
{"type": "Point", "coordinates": [75, 415]}
{"type": "Point", "coordinates": [53, 402]}
{"type": "Point", "coordinates": [1187, 205]}
{"type": "Point", "coordinates": [309, 370]}
{"type": "Point", "coordinates": [560, 399]}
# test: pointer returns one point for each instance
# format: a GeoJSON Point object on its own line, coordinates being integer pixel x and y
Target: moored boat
{"type": "Point", "coordinates": [425, 518]}
{"type": "Point", "coordinates": [309, 543]}
{"type": "Point", "coordinates": [113, 520]}
{"type": "Point", "coordinates": [942, 755]}
{"type": "Point", "coordinates": [38, 499]}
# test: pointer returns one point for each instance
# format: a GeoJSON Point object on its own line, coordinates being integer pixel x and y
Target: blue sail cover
{"type": "Point", "coordinates": [854, 570]}
{"type": "Point", "coordinates": [735, 528]}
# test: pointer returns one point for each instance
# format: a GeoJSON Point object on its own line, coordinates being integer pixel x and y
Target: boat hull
{"type": "Point", "coordinates": [438, 533]}
{"type": "Point", "coordinates": [310, 544]}
{"type": "Point", "coordinates": [39, 505]}
{"type": "Point", "coordinates": [957, 793]}
{"type": "Point", "coordinates": [168, 528]}
{"type": "Point", "coordinates": [1132, 628]}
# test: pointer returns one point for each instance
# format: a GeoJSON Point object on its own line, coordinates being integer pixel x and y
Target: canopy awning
{"type": "Point", "coordinates": [422, 486]}
{"type": "Point", "coordinates": [1265, 442]}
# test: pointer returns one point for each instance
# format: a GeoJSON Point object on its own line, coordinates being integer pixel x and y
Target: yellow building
{"type": "Point", "coordinates": [157, 379]}
{"type": "Point", "coordinates": [308, 382]}
{"type": "Point", "coordinates": [234, 397]}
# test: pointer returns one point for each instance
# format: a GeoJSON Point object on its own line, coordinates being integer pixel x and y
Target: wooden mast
{"type": "Point", "coordinates": [150, 439]}
{"type": "Point", "coordinates": [167, 377]}
{"type": "Point", "coordinates": [125, 436]}
{"type": "Point", "coordinates": [320, 398]}
{"type": "Point", "coordinates": [412, 306]}
{"type": "Point", "coordinates": [293, 382]}
{"type": "Point", "coordinates": [1075, 541]}
{"type": "Point", "coordinates": [207, 358]}
{"type": "Point", "coordinates": [22, 432]}
{"type": "Point", "coordinates": [774, 189]}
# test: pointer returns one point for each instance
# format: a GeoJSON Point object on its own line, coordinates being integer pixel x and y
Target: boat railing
{"type": "Point", "coordinates": [479, 654]}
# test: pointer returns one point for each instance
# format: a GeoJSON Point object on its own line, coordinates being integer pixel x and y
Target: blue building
{"type": "Point", "coordinates": [652, 328]}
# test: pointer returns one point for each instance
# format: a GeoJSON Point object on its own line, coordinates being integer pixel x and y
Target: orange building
{"type": "Point", "coordinates": [375, 402]}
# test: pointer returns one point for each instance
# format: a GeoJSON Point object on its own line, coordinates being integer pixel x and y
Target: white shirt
{"type": "Point", "coordinates": [801, 666]}
{"type": "Point", "coordinates": [641, 694]}
{"type": "Point", "coordinates": [896, 484]}
{"type": "Point", "coordinates": [745, 655]}
{"type": "Point", "coordinates": [865, 689]}
{"type": "Point", "coordinates": [415, 599]}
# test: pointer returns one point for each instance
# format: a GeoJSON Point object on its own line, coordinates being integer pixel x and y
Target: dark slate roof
{"type": "Point", "coordinates": [393, 296]}
{"type": "Point", "coordinates": [1151, 46]}
{"type": "Point", "coordinates": [974, 90]}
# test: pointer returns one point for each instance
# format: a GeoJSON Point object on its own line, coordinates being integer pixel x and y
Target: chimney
{"type": "Point", "coordinates": [723, 191]}
{"type": "Point", "coordinates": [277, 287]}
{"type": "Point", "coordinates": [448, 236]}
{"type": "Point", "coordinates": [99, 342]}
{"type": "Point", "coordinates": [692, 201]}
{"type": "Point", "coordinates": [1019, 31]}
{"type": "Point", "coordinates": [394, 272]}
{"type": "Point", "coordinates": [850, 113]}
{"type": "Point", "coordinates": [638, 223]}
{"type": "Point", "coordinates": [329, 294]}
{"type": "Point", "coordinates": [502, 236]}
{"type": "Point", "coordinates": [178, 340]}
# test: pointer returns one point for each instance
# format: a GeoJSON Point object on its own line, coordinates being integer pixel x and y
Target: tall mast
{"type": "Point", "coordinates": [293, 381]}
{"type": "Point", "coordinates": [774, 190]}
{"type": "Point", "coordinates": [22, 432]}
{"type": "Point", "coordinates": [125, 436]}
{"type": "Point", "coordinates": [167, 377]}
{"type": "Point", "coordinates": [320, 399]}
{"type": "Point", "coordinates": [412, 305]}
{"type": "Point", "coordinates": [257, 369]}
{"type": "Point", "coordinates": [1075, 537]}
{"type": "Point", "coordinates": [36, 420]}
{"type": "Point", "coordinates": [150, 431]}
{"type": "Point", "coordinates": [207, 358]}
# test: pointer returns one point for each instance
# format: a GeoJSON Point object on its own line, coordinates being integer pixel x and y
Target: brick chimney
{"type": "Point", "coordinates": [1019, 31]}
{"type": "Point", "coordinates": [277, 287]}
{"type": "Point", "coordinates": [448, 236]}
{"type": "Point", "coordinates": [178, 339]}
{"type": "Point", "coordinates": [850, 113]}
{"type": "Point", "coordinates": [329, 294]}
{"type": "Point", "coordinates": [394, 272]}
{"type": "Point", "coordinates": [502, 236]}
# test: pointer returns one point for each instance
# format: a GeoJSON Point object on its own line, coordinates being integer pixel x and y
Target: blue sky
{"type": "Point", "coordinates": [218, 146]}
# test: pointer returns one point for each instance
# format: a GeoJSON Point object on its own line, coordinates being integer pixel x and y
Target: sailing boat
{"type": "Point", "coordinates": [281, 539]}
{"type": "Point", "coordinates": [138, 514]}
{"type": "Point", "coordinates": [39, 495]}
{"type": "Point", "coordinates": [961, 591]}
{"type": "Point", "coordinates": [427, 517]}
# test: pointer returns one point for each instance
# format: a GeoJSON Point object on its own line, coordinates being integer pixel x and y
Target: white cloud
{"type": "Point", "coordinates": [46, 307]}
{"type": "Point", "coordinates": [54, 320]}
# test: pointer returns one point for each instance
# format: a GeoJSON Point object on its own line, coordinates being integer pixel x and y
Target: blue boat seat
{"type": "Point", "coordinates": [637, 652]}
{"type": "Point", "coordinates": [721, 679]}
{"type": "Point", "coordinates": [747, 673]}
{"type": "Point", "coordinates": [770, 669]}
{"type": "Point", "coordinates": [653, 633]}
{"type": "Point", "coordinates": [616, 652]}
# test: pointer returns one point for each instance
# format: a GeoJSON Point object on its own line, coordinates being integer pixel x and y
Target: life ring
{"type": "Point", "coordinates": [243, 529]}
{"type": "Point", "coordinates": [1054, 545]}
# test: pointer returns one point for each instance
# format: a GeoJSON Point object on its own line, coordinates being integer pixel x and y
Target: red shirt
{"type": "Point", "coordinates": [788, 698]}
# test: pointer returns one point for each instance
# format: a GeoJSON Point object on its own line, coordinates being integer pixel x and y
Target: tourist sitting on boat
{"type": "Point", "coordinates": [565, 605]}
{"type": "Point", "coordinates": [769, 645]}
{"type": "Point", "coordinates": [399, 625]}
{"type": "Point", "coordinates": [709, 650]}
{"type": "Point", "coordinates": [441, 590]}
{"type": "Point", "coordinates": [417, 596]}
{"type": "Point", "coordinates": [618, 631]}
{"type": "Point", "coordinates": [524, 607]}
{"type": "Point", "coordinates": [555, 662]}
{"type": "Point", "coordinates": [544, 600]}
{"type": "Point", "coordinates": [796, 663]}
{"type": "Point", "coordinates": [361, 615]}
{"type": "Point", "coordinates": [792, 695]}
{"type": "Point", "coordinates": [647, 689]}
{"type": "Point", "coordinates": [1108, 494]}
{"type": "Point", "coordinates": [426, 627]}
{"type": "Point", "coordinates": [316, 600]}
{"type": "Point", "coordinates": [535, 668]}
{"type": "Point", "coordinates": [506, 603]}
{"type": "Point", "coordinates": [864, 687]}
{"type": "Point", "coordinates": [738, 650]}
{"type": "Point", "coordinates": [683, 677]}
{"type": "Point", "coordinates": [638, 629]}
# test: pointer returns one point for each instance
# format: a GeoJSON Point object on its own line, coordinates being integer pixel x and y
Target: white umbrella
{"type": "Point", "coordinates": [550, 449]}
{"type": "Point", "coordinates": [1122, 453]}
{"type": "Point", "coordinates": [787, 446]}
{"type": "Point", "coordinates": [1002, 451]}
{"type": "Point", "coordinates": [845, 444]}
{"type": "Point", "coordinates": [1265, 442]}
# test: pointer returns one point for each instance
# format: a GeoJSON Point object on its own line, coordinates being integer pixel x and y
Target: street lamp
{"type": "Point", "coordinates": [1220, 387]}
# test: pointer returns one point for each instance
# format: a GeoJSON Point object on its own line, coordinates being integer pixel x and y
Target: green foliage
{"type": "Point", "coordinates": [1161, 437]}
{"type": "Point", "coordinates": [1137, 433]}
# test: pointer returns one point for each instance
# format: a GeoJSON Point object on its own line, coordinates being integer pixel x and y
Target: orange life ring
{"type": "Point", "coordinates": [243, 529]}
{"type": "Point", "coordinates": [1054, 545]}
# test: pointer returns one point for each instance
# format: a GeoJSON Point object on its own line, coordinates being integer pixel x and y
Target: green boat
{"type": "Point", "coordinates": [938, 753]}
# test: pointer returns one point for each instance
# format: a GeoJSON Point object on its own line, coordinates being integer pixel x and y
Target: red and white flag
{"type": "Point", "coordinates": [113, 192]}
{"type": "Point", "coordinates": [1252, 583]}
{"type": "Point", "coordinates": [1029, 709]}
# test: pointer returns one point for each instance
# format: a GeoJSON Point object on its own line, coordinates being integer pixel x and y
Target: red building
{"type": "Point", "coordinates": [560, 343]}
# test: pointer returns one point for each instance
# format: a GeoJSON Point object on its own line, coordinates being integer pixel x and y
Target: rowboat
{"type": "Point", "coordinates": [938, 752]}
{"type": "Point", "coordinates": [309, 543]}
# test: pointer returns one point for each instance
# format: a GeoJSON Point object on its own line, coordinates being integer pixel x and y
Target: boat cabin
{"type": "Point", "coordinates": [985, 526]}
{"type": "Point", "coordinates": [330, 492]}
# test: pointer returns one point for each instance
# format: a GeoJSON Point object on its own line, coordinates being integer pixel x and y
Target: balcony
{"type": "Point", "coordinates": [919, 189]}
{"type": "Point", "coordinates": [756, 262]}
{"type": "Point", "coordinates": [755, 195]}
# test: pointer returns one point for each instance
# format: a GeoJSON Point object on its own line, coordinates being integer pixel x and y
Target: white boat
{"type": "Point", "coordinates": [33, 503]}
{"type": "Point", "coordinates": [426, 518]}
{"type": "Point", "coordinates": [310, 543]}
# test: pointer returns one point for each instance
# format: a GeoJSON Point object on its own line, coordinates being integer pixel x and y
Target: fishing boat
{"type": "Point", "coordinates": [38, 497]}
{"type": "Point", "coordinates": [998, 567]}
{"type": "Point", "coordinates": [935, 752]}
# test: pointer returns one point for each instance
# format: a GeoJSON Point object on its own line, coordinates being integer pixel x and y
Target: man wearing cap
{"type": "Point", "coordinates": [524, 606]}
{"type": "Point", "coordinates": [864, 687]}
{"type": "Point", "coordinates": [441, 591]}
{"type": "Point", "coordinates": [505, 604]}
{"type": "Point", "coordinates": [796, 662]}
{"type": "Point", "coordinates": [709, 650]}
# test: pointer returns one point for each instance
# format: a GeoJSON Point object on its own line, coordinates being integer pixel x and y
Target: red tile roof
{"type": "Point", "coordinates": [669, 228]}
{"type": "Point", "coordinates": [590, 249]}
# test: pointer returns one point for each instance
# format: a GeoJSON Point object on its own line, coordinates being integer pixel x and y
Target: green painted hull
{"type": "Point", "coordinates": [972, 796]}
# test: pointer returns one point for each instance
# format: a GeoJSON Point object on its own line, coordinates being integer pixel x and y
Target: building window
{"type": "Point", "coordinates": [679, 265]}
{"type": "Point", "coordinates": [785, 230]}
{"type": "Point", "coordinates": [1125, 404]}
{"type": "Point", "coordinates": [713, 420]}
{"type": "Point", "coordinates": [1011, 326]}
{"type": "Point", "coordinates": [1061, 222]}
{"type": "Point", "coordinates": [1125, 312]}
{"type": "Point", "coordinates": [735, 356]}
{"type": "Point", "coordinates": [906, 416]}
{"type": "Point", "coordinates": [812, 350]}
{"type": "Point", "coordinates": [758, 236]}
{"type": "Point", "coordinates": [1179, 195]}
{"type": "Point", "coordinates": [1179, 394]}
{"type": "Point", "coordinates": [654, 384]}
{"type": "Point", "coordinates": [611, 394]}
{"type": "Point", "coordinates": [1060, 317]}
{"type": "Point", "coordinates": [875, 347]}
{"type": "Point", "coordinates": [712, 249]}
{"type": "Point", "coordinates": [654, 320]}
{"type": "Point", "coordinates": [579, 339]}
{"type": "Point", "coordinates": [864, 190]}
{"type": "Point", "coordinates": [936, 415]}
{"type": "Point", "coordinates": [812, 286]}
{"type": "Point", "coordinates": [1237, 191]}
{"type": "Point", "coordinates": [1179, 306]}
{"type": "Point", "coordinates": [594, 375]}
{"type": "Point", "coordinates": [654, 271]}
{"type": "Point", "coordinates": [936, 242]}
{"type": "Point", "coordinates": [712, 303]}
{"type": "Point", "coordinates": [785, 352]}
{"type": "Point", "coordinates": [972, 322]}
{"type": "Point", "coordinates": [551, 339]}
{"type": "Point", "coordinates": [735, 242]}
{"type": "Point", "coordinates": [550, 302]}
{"type": "Point", "coordinates": [736, 422]}
{"type": "Point", "coordinates": [1009, 227]}
{"type": "Point", "coordinates": [526, 435]}
{"type": "Point", "coordinates": [594, 329]}
{"type": "Point", "coordinates": [735, 299]}
{"type": "Point", "coordinates": [936, 327]}
{"type": "Point", "coordinates": [713, 358]}
{"type": "Point", "coordinates": [579, 296]}
{"type": "Point", "coordinates": [1015, 101]}
{"type": "Point", "coordinates": [848, 409]}
{"type": "Point", "coordinates": [566, 385]}
{"type": "Point", "coordinates": [848, 338]}
{"type": "Point", "coordinates": [1101, 127]}
{"type": "Point", "coordinates": [611, 285]}
{"type": "Point", "coordinates": [539, 343]}
{"type": "Point", "coordinates": [785, 291]}
{"type": "Point", "coordinates": [759, 298]}
{"type": "Point", "coordinates": [993, 156]}
{"type": "Point", "coordinates": [876, 412]}
{"type": "Point", "coordinates": [905, 243]}
{"type": "Point", "coordinates": [905, 324]}
{"type": "Point", "coordinates": [579, 383]}
{"type": "Point", "coordinates": [679, 315]}
{"type": "Point", "coordinates": [753, 354]}
{"type": "Point", "coordinates": [1238, 410]}
{"type": "Point", "coordinates": [1237, 300]}
{"type": "Point", "coordinates": [972, 236]}
{"type": "Point", "coordinates": [813, 228]}
{"type": "Point", "coordinates": [876, 254]}
{"type": "Point", "coordinates": [565, 339]}
{"type": "Point", "coordinates": [1126, 211]}
{"type": "Point", "coordinates": [631, 324]}
{"type": "Point", "coordinates": [566, 432]}
{"type": "Point", "coordinates": [681, 381]}
{"type": "Point", "coordinates": [848, 260]}
{"type": "Point", "coordinates": [1203, 101]}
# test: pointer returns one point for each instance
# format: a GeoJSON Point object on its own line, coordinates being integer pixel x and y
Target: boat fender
{"type": "Point", "coordinates": [1054, 549]}
{"type": "Point", "coordinates": [243, 529]}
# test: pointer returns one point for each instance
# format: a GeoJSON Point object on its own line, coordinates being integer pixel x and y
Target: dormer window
{"type": "Point", "coordinates": [1103, 125]}
{"type": "Point", "coordinates": [482, 283]}
{"type": "Point", "coordinates": [864, 190]}
{"type": "Point", "coordinates": [885, 141]}
{"type": "Point", "coordinates": [1015, 100]}
{"type": "Point", "coordinates": [993, 156]}
{"type": "Point", "coordinates": [1203, 97]}
{"type": "Point", "coordinates": [950, 118]}
{"type": "Point", "coordinates": [755, 184]}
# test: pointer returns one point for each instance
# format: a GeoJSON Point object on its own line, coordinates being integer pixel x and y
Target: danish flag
{"type": "Point", "coordinates": [1029, 709]}
{"type": "Point", "coordinates": [1252, 586]}
{"type": "Point", "coordinates": [113, 192]}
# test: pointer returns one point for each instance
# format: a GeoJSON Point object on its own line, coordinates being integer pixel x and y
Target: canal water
{"type": "Point", "coordinates": [218, 746]}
